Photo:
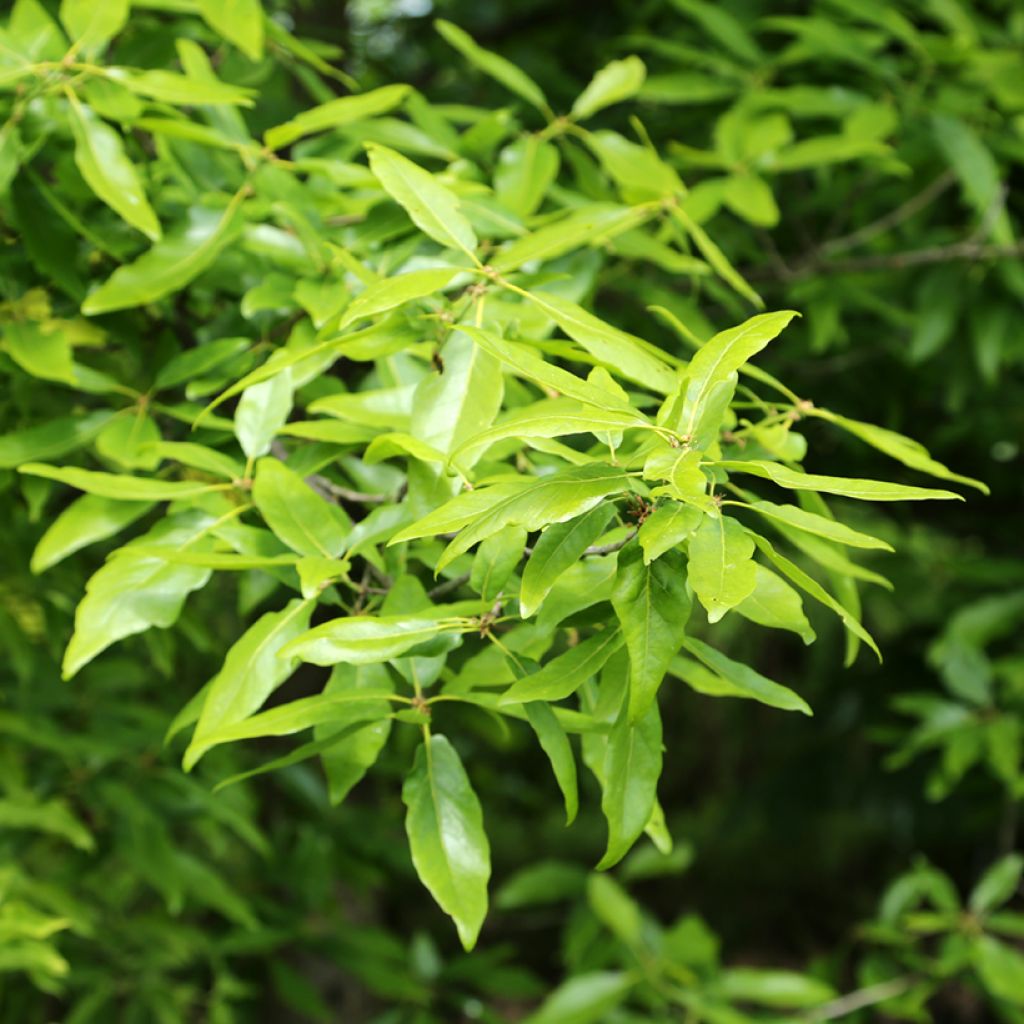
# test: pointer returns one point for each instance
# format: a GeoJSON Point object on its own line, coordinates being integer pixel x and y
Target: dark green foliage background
{"type": "Point", "coordinates": [795, 825]}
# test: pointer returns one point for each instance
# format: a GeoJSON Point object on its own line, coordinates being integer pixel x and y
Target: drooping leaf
{"type": "Point", "coordinates": [449, 847]}
{"type": "Point", "coordinates": [720, 568]}
{"type": "Point", "coordinates": [774, 603]}
{"type": "Point", "coordinates": [102, 161]}
{"type": "Point", "coordinates": [652, 606]}
{"type": "Point", "coordinates": [555, 744]}
{"type": "Point", "coordinates": [396, 291]}
{"type": "Point", "coordinates": [121, 487]}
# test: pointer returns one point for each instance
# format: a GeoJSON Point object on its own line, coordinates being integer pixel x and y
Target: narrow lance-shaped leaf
{"type": "Point", "coordinates": [91, 24]}
{"type": "Point", "coordinates": [251, 672]}
{"type": "Point", "coordinates": [615, 82]}
{"type": "Point", "coordinates": [555, 744]}
{"type": "Point", "coordinates": [103, 163]}
{"type": "Point", "coordinates": [396, 291]}
{"type": "Point", "coordinates": [632, 767]}
{"type": "Point", "coordinates": [745, 681]}
{"type": "Point", "coordinates": [862, 490]}
{"type": "Point", "coordinates": [363, 639]}
{"type": "Point", "coordinates": [171, 264]}
{"type": "Point", "coordinates": [121, 487]}
{"type": "Point", "coordinates": [557, 548]}
{"type": "Point", "coordinates": [567, 672]}
{"type": "Point", "coordinates": [449, 847]}
{"type": "Point", "coordinates": [820, 526]}
{"type": "Point", "coordinates": [432, 207]}
{"type": "Point", "coordinates": [500, 69]}
{"type": "Point", "coordinates": [336, 113]}
{"type": "Point", "coordinates": [238, 21]}
{"type": "Point", "coordinates": [722, 356]}
{"type": "Point", "coordinates": [652, 606]}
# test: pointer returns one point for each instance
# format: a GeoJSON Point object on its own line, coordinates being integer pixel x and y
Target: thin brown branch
{"type": "Point", "coordinates": [861, 998]}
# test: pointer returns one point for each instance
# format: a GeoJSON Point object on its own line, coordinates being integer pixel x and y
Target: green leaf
{"type": "Point", "coordinates": [742, 681]}
{"type": "Point", "coordinates": [530, 365]}
{"type": "Point", "coordinates": [625, 354]}
{"type": "Point", "coordinates": [134, 592]}
{"type": "Point", "coordinates": [336, 114]}
{"type": "Point", "coordinates": [526, 170]}
{"type": "Point", "coordinates": [1000, 968]}
{"type": "Point", "coordinates": [722, 356]}
{"type": "Point", "coordinates": [775, 604]}
{"type": "Point", "coordinates": [903, 449]}
{"type": "Point", "coordinates": [862, 490]}
{"type": "Point", "coordinates": [364, 639]}
{"type": "Point", "coordinates": [496, 560]}
{"type": "Point", "coordinates": [182, 90]}
{"type": "Point", "coordinates": [171, 264]}
{"type": "Point", "coordinates": [52, 439]}
{"type": "Point", "coordinates": [102, 161]}
{"type": "Point", "coordinates": [238, 21]}
{"type": "Point", "coordinates": [632, 767]}
{"type": "Point", "coordinates": [262, 411]}
{"type": "Point", "coordinates": [458, 403]}
{"type": "Point", "coordinates": [347, 761]}
{"type": "Point", "coordinates": [198, 456]}
{"type": "Point", "coordinates": [500, 69]}
{"type": "Point", "coordinates": [588, 225]}
{"type": "Point", "coordinates": [397, 291]}
{"type": "Point", "coordinates": [85, 521]}
{"type": "Point", "coordinates": [820, 526]}
{"type": "Point", "coordinates": [566, 673]}
{"type": "Point", "coordinates": [667, 527]}
{"type": "Point", "coordinates": [715, 257]}
{"type": "Point", "coordinates": [445, 826]}
{"type": "Point", "coordinates": [121, 487]}
{"type": "Point", "coordinates": [430, 205]}
{"type": "Point", "coordinates": [197, 362]}
{"type": "Point", "coordinates": [552, 499]}
{"type": "Point", "coordinates": [555, 744]}
{"type": "Point", "coordinates": [559, 547]}
{"type": "Point", "coordinates": [784, 990]}
{"type": "Point", "coordinates": [584, 999]}
{"type": "Point", "coordinates": [615, 82]}
{"type": "Point", "coordinates": [721, 570]}
{"type": "Point", "coordinates": [251, 672]}
{"type": "Point", "coordinates": [93, 24]}
{"type": "Point", "coordinates": [998, 885]}
{"type": "Point", "coordinates": [652, 606]}
{"type": "Point", "coordinates": [41, 352]}
{"type": "Point", "coordinates": [296, 513]}
{"type": "Point", "coordinates": [816, 590]}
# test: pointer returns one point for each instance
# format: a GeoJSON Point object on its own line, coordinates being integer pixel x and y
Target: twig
{"type": "Point", "coordinates": [861, 998]}
{"type": "Point", "coordinates": [903, 212]}
{"type": "Point", "coordinates": [448, 586]}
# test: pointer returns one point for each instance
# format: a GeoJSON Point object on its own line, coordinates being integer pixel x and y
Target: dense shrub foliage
{"type": "Point", "coordinates": [393, 480]}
